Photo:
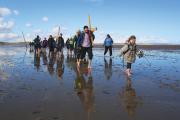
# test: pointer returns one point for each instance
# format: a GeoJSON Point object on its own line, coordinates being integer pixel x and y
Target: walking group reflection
{"type": "Point", "coordinates": [83, 82]}
{"type": "Point", "coordinates": [54, 63]}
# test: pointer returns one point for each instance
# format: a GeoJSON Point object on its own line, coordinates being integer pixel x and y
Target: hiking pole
{"type": "Point", "coordinates": [147, 60]}
{"type": "Point", "coordinates": [26, 46]}
{"type": "Point", "coordinates": [24, 39]}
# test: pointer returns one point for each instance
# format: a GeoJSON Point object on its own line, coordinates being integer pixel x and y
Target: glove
{"type": "Point", "coordinates": [140, 54]}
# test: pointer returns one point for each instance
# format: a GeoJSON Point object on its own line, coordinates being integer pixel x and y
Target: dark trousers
{"type": "Point", "coordinates": [106, 50]}
{"type": "Point", "coordinates": [85, 50]}
{"type": "Point", "coordinates": [129, 65]}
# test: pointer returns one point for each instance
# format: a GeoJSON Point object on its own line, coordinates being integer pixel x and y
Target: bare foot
{"type": "Point", "coordinates": [78, 64]}
{"type": "Point", "coordinates": [128, 73]}
{"type": "Point", "coordinates": [89, 67]}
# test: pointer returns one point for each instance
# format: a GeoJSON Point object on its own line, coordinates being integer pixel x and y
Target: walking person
{"type": "Point", "coordinates": [52, 45]}
{"type": "Point", "coordinates": [76, 49]}
{"type": "Point", "coordinates": [129, 51]}
{"type": "Point", "coordinates": [44, 45]}
{"type": "Point", "coordinates": [37, 45]}
{"type": "Point", "coordinates": [86, 44]}
{"type": "Point", "coordinates": [68, 46]}
{"type": "Point", "coordinates": [60, 45]}
{"type": "Point", "coordinates": [71, 46]}
{"type": "Point", "coordinates": [108, 42]}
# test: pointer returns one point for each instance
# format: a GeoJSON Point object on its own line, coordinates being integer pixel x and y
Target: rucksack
{"type": "Point", "coordinates": [71, 42]}
{"type": "Point", "coordinates": [45, 43]}
{"type": "Point", "coordinates": [37, 41]}
{"type": "Point", "coordinates": [128, 49]}
{"type": "Point", "coordinates": [52, 43]}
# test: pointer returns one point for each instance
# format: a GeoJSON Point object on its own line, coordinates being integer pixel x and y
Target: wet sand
{"type": "Point", "coordinates": [43, 88]}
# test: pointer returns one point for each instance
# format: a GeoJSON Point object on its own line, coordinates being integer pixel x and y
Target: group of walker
{"type": "Point", "coordinates": [82, 43]}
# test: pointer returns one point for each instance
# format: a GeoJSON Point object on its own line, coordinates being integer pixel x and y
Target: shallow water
{"type": "Point", "coordinates": [33, 88]}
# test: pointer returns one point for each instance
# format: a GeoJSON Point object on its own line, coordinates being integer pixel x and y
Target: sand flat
{"type": "Point", "coordinates": [33, 88]}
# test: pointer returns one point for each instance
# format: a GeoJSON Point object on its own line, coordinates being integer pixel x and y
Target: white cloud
{"type": "Point", "coordinates": [10, 24]}
{"type": "Point", "coordinates": [8, 36]}
{"type": "Point", "coordinates": [6, 26]}
{"type": "Point", "coordinates": [28, 24]}
{"type": "Point", "coordinates": [28, 35]}
{"type": "Point", "coordinates": [55, 29]}
{"type": "Point", "coordinates": [152, 39]}
{"type": "Point", "coordinates": [142, 39]}
{"type": "Point", "coordinates": [45, 18]}
{"type": "Point", "coordinates": [1, 20]}
{"type": "Point", "coordinates": [16, 12]}
{"type": "Point", "coordinates": [4, 11]}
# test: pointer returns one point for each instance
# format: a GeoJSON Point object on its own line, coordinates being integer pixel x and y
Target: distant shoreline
{"type": "Point", "coordinates": [141, 46]}
{"type": "Point", "coordinates": [147, 47]}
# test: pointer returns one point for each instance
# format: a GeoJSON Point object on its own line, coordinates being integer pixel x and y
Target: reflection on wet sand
{"type": "Point", "coordinates": [108, 68]}
{"type": "Point", "coordinates": [60, 67]}
{"type": "Point", "coordinates": [84, 89]}
{"type": "Point", "coordinates": [84, 94]}
{"type": "Point", "coordinates": [31, 50]}
{"type": "Point", "coordinates": [51, 63]}
{"type": "Point", "coordinates": [37, 61]}
{"type": "Point", "coordinates": [83, 85]}
{"type": "Point", "coordinates": [45, 59]}
{"type": "Point", "coordinates": [129, 98]}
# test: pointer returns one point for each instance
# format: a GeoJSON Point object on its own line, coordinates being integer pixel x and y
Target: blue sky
{"type": "Point", "coordinates": [152, 21]}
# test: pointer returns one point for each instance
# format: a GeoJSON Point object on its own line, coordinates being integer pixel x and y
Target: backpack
{"type": "Point", "coordinates": [37, 41]}
{"type": "Point", "coordinates": [52, 43]}
{"type": "Point", "coordinates": [71, 42]}
{"type": "Point", "coordinates": [128, 49]}
{"type": "Point", "coordinates": [60, 42]}
{"type": "Point", "coordinates": [45, 43]}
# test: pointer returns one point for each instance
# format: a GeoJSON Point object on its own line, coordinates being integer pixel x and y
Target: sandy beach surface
{"type": "Point", "coordinates": [33, 88]}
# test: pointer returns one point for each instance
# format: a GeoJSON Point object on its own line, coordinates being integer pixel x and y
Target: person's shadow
{"type": "Point", "coordinates": [129, 99]}
{"type": "Point", "coordinates": [108, 68]}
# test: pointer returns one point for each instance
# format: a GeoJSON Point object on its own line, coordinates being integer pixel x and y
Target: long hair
{"type": "Point", "coordinates": [131, 37]}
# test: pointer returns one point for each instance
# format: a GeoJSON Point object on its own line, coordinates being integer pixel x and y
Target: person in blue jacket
{"type": "Point", "coordinates": [108, 42]}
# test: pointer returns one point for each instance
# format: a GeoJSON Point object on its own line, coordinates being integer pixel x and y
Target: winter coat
{"type": "Point", "coordinates": [129, 51]}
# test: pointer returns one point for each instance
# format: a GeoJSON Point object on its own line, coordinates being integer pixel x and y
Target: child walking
{"type": "Point", "coordinates": [129, 51]}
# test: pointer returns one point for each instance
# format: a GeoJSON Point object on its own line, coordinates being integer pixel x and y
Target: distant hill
{"type": "Point", "coordinates": [144, 46]}
{"type": "Point", "coordinates": [13, 43]}
{"type": "Point", "coordinates": [116, 45]}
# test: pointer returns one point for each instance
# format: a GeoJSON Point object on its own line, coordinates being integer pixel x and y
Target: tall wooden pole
{"type": "Point", "coordinates": [90, 32]}
{"type": "Point", "coordinates": [24, 39]}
